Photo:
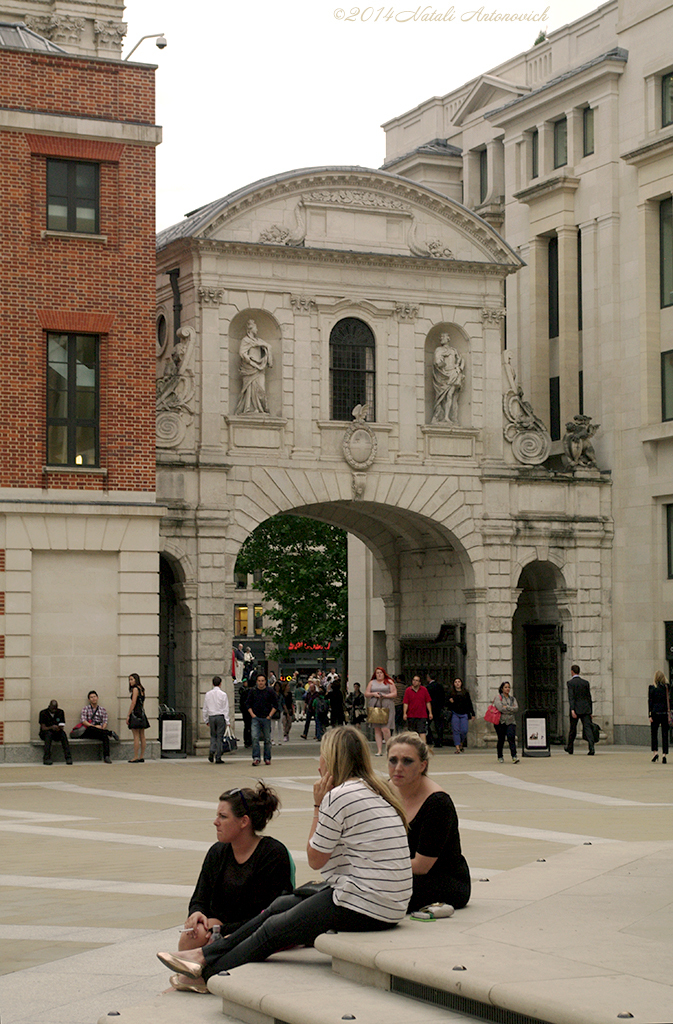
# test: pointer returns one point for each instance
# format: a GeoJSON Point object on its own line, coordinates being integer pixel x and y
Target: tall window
{"type": "Point", "coordinates": [72, 400]}
{"type": "Point", "coordinates": [483, 175]}
{"type": "Point", "coordinates": [667, 385]}
{"type": "Point", "coordinates": [240, 620]}
{"type": "Point", "coordinates": [669, 540]}
{"type": "Point", "coordinates": [72, 196]}
{"type": "Point", "coordinates": [667, 99]}
{"type": "Point", "coordinates": [555, 408]}
{"type": "Point", "coordinates": [534, 153]}
{"type": "Point", "coordinates": [587, 131]}
{"type": "Point", "coordinates": [352, 368]}
{"type": "Point", "coordinates": [561, 142]}
{"type": "Point", "coordinates": [259, 619]}
{"type": "Point", "coordinates": [666, 251]}
{"type": "Point", "coordinates": [552, 265]}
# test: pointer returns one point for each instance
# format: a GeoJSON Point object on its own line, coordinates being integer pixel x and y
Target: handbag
{"type": "Point", "coordinates": [229, 742]}
{"type": "Point", "coordinates": [596, 730]}
{"type": "Point", "coordinates": [78, 730]}
{"type": "Point", "coordinates": [377, 714]}
{"type": "Point", "coordinates": [138, 720]}
{"type": "Point", "coordinates": [492, 714]}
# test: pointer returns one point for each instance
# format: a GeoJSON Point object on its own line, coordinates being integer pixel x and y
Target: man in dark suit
{"type": "Point", "coordinates": [581, 708]}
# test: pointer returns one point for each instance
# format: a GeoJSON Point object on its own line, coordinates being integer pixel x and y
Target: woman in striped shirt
{"type": "Point", "coordinates": [358, 840]}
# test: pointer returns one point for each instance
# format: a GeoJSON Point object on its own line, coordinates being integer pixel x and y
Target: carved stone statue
{"type": "Point", "coordinates": [527, 434]}
{"type": "Point", "coordinates": [255, 356]}
{"type": "Point", "coordinates": [578, 450]}
{"type": "Point", "coordinates": [448, 377]}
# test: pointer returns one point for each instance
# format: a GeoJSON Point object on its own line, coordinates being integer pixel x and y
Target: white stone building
{"type": "Point", "coordinates": [298, 300]}
{"type": "Point", "coordinates": [568, 150]}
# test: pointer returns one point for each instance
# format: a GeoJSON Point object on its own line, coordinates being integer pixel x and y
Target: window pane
{"type": "Point", "coordinates": [553, 288]}
{"type": "Point", "coordinates": [85, 180]}
{"type": "Point", "coordinates": [667, 385]}
{"type": "Point", "coordinates": [666, 251]}
{"type": "Point", "coordinates": [57, 177]}
{"type": "Point", "coordinates": [669, 539]}
{"type": "Point", "coordinates": [588, 130]}
{"type": "Point", "coordinates": [57, 216]}
{"type": "Point", "coordinates": [560, 143]}
{"type": "Point", "coordinates": [259, 613]}
{"type": "Point", "coordinates": [352, 363]}
{"type": "Point", "coordinates": [85, 446]}
{"type": "Point", "coordinates": [85, 218]}
{"type": "Point", "coordinates": [241, 619]}
{"type": "Point", "coordinates": [483, 175]}
{"type": "Point", "coordinates": [57, 376]}
{"type": "Point", "coordinates": [57, 446]}
{"type": "Point", "coordinates": [535, 153]}
{"type": "Point", "coordinates": [667, 99]}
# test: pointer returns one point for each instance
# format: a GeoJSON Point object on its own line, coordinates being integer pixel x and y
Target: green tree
{"type": "Point", "coordinates": [304, 579]}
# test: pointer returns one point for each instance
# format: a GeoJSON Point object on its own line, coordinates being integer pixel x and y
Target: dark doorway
{"type": "Point", "coordinates": [443, 656]}
{"type": "Point", "coordinates": [542, 674]}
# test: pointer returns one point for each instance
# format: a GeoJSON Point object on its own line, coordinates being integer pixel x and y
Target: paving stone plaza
{"type": "Point", "coordinates": [99, 862]}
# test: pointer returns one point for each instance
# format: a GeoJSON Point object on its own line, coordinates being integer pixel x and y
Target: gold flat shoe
{"type": "Point", "coordinates": [197, 985]}
{"type": "Point", "coordinates": [176, 963]}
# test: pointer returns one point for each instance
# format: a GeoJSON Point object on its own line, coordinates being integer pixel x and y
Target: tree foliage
{"type": "Point", "coordinates": [304, 579]}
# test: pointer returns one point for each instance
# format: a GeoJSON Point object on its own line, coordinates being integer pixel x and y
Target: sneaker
{"type": "Point", "coordinates": [107, 760]}
{"type": "Point", "coordinates": [114, 736]}
{"type": "Point", "coordinates": [515, 760]}
{"type": "Point", "coordinates": [267, 762]}
{"type": "Point", "coordinates": [255, 763]}
{"type": "Point", "coordinates": [501, 760]}
{"type": "Point", "coordinates": [439, 910]}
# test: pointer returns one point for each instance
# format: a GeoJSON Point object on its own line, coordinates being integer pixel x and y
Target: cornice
{"type": "Point", "coordinates": [339, 257]}
{"type": "Point", "coordinates": [541, 189]}
{"type": "Point", "coordinates": [649, 151]}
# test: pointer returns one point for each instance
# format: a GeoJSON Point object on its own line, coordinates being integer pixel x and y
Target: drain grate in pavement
{"type": "Point", "coordinates": [461, 1004]}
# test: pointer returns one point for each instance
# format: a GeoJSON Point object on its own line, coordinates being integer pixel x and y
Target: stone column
{"type": "Point", "coordinates": [648, 313]}
{"type": "Point", "coordinates": [568, 331]}
{"type": "Point", "coordinates": [408, 404]}
{"type": "Point", "coordinates": [303, 371]}
{"type": "Point", "coordinates": [210, 368]}
{"type": "Point", "coordinates": [538, 325]}
{"type": "Point", "coordinates": [393, 603]}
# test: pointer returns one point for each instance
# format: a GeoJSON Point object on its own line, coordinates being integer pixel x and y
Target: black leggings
{"type": "Point", "coordinates": [289, 921]}
{"type": "Point", "coordinates": [659, 720]}
{"type": "Point", "coordinates": [506, 732]}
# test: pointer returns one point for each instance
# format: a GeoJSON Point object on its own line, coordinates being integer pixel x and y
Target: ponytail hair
{"type": "Point", "coordinates": [259, 804]}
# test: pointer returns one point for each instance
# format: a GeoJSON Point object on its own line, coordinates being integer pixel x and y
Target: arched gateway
{"type": "Point", "coordinates": [330, 343]}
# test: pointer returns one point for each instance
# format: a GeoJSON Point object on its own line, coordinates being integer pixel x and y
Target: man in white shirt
{"type": "Point", "coordinates": [216, 715]}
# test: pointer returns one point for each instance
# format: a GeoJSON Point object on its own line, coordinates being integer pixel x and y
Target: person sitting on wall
{"type": "Point", "coordinates": [52, 727]}
{"type": "Point", "coordinates": [95, 718]}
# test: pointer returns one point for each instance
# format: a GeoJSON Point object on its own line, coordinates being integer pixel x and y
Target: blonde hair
{"type": "Point", "coordinates": [347, 756]}
{"type": "Point", "coordinates": [414, 740]}
{"type": "Point", "coordinates": [659, 679]}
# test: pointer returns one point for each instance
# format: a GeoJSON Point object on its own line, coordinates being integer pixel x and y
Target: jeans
{"type": "Point", "coordinates": [289, 921]}
{"type": "Point", "coordinates": [102, 735]}
{"type": "Point", "coordinates": [506, 732]}
{"type": "Point", "coordinates": [217, 725]}
{"type": "Point", "coordinates": [587, 731]}
{"type": "Point", "coordinates": [261, 727]}
{"type": "Point", "coordinates": [459, 727]}
{"type": "Point", "coordinates": [659, 720]}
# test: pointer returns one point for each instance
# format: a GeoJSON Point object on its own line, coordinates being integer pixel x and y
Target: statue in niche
{"type": "Point", "coordinates": [448, 377]}
{"type": "Point", "coordinates": [255, 355]}
{"type": "Point", "coordinates": [578, 450]}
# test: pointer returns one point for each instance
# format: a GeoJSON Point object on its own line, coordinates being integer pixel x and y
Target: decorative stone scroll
{"type": "Point", "coordinates": [527, 434]}
{"type": "Point", "coordinates": [278, 234]}
{"type": "Point", "coordinates": [434, 248]}
{"type": "Point", "coordinates": [359, 443]}
{"type": "Point", "coordinates": [357, 197]}
{"type": "Point", "coordinates": [302, 303]}
{"type": "Point", "coordinates": [211, 296]}
{"type": "Point", "coordinates": [175, 392]}
{"type": "Point", "coordinates": [59, 28]}
{"type": "Point", "coordinates": [492, 316]}
{"type": "Point", "coordinates": [359, 481]}
{"type": "Point", "coordinates": [578, 451]}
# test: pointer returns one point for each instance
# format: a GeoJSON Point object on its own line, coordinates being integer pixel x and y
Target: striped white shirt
{"type": "Point", "coordinates": [370, 864]}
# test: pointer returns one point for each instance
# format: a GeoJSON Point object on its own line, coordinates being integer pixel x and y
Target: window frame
{"type": "Point", "coordinates": [73, 197]}
{"type": "Point", "coordinates": [669, 539]}
{"type": "Point", "coordinates": [239, 618]}
{"type": "Point", "coordinates": [343, 379]}
{"type": "Point", "coordinates": [562, 122]}
{"type": "Point", "coordinates": [667, 99]}
{"type": "Point", "coordinates": [71, 421]}
{"type": "Point", "coordinates": [666, 392]}
{"type": "Point", "coordinates": [588, 134]}
{"type": "Point", "coordinates": [483, 174]}
{"type": "Point", "coordinates": [535, 153]}
{"type": "Point", "coordinates": [666, 253]}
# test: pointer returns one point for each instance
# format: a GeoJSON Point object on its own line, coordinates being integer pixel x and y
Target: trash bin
{"type": "Point", "coordinates": [535, 734]}
{"type": "Point", "coordinates": [173, 734]}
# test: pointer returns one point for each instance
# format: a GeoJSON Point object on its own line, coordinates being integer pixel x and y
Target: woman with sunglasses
{"type": "Point", "coordinates": [440, 871]}
{"type": "Point", "coordinates": [357, 839]}
{"type": "Point", "coordinates": [243, 871]}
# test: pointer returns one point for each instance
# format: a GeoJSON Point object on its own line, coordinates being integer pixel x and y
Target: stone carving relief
{"type": "Point", "coordinates": [277, 234]}
{"type": "Point", "coordinates": [359, 443]}
{"type": "Point", "coordinates": [359, 481]}
{"type": "Point", "coordinates": [432, 247]}
{"type": "Point", "coordinates": [406, 311]}
{"type": "Point", "coordinates": [255, 355]}
{"type": "Point", "coordinates": [448, 378]}
{"type": "Point", "coordinates": [578, 451]}
{"type": "Point", "coordinates": [175, 392]}
{"type": "Point", "coordinates": [109, 33]}
{"type": "Point", "coordinates": [211, 296]}
{"type": "Point", "coordinates": [357, 197]}
{"type": "Point", "coordinates": [527, 434]}
{"type": "Point", "coordinates": [302, 303]}
{"type": "Point", "coordinates": [59, 28]}
{"type": "Point", "coordinates": [492, 316]}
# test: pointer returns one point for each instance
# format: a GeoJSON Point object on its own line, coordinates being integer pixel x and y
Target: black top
{"type": "Point", "coordinates": [579, 696]}
{"type": "Point", "coordinates": [433, 832]}
{"type": "Point", "coordinates": [437, 696]}
{"type": "Point", "coordinates": [461, 703]}
{"type": "Point", "coordinates": [233, 892]}
{"type": "Point", "coordinates": [656, 700]}
{"type": "Point", "coordinates": [260, 702]}
{"type": "Point", "coordinates": [47, 718]}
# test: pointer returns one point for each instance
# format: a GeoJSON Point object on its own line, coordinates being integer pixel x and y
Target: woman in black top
{"type": "Point", "coordinates": [136, 719]}
{"type": "Point", "coordinates": [440, 872]}
{"type": "Point", "coordinates": [243, 872]}
{"type": "Point", "coordinates": [658, 706]}
{"type": "Point", "coordinates": [460, 705]}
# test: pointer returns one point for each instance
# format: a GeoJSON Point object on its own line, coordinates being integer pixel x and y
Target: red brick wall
{"type": "Point", "coordinates": [65, 283]}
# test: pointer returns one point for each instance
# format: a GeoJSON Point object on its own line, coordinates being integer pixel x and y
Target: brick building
{"type": "Point", "coordinates": [78, 518]}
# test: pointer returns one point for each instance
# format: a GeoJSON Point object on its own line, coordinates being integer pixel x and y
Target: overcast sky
{"type": "Point", "coordinates": [249, 89]}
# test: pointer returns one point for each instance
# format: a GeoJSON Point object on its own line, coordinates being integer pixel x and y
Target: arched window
{"type": "Point", "coordinates": [352, 368]}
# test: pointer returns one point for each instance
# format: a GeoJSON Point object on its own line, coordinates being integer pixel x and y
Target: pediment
{"type": "Point", "coordinates": [348, 209]}
{"type": "Point", "coordinates": [488, 91]}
